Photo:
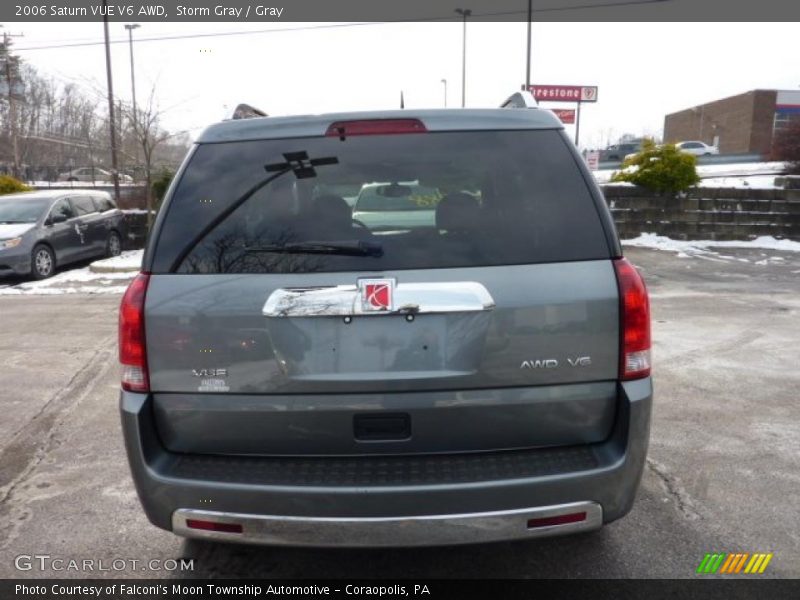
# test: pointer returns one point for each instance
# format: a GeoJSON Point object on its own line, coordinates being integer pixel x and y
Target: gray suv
{"type": "Point", "coordinates": [292, 375]}
{"type": "Point", "coordinates": [43, 230]}
{"type": "Point", "coordinates": [620, 151]}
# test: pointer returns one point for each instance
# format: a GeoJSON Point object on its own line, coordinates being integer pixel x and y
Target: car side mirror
{"type": "Point", "coordinates": [57, 219]}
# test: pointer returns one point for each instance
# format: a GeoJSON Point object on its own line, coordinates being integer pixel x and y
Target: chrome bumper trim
{"type": "Point", "coordinates": [432, 530]}
{"type": "Point", "coordinates": [404, 298]}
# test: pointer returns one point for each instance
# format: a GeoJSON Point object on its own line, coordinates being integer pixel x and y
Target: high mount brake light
{"type": "Point", "coordinates": [634, 322]}
{"type": "Point", "coordinates": [132, 348]}
{"type": "Point", "coordinates": [344, 129]}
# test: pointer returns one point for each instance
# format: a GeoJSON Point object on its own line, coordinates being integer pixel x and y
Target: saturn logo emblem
{"type": "Point", "coordinates": [377, 294]}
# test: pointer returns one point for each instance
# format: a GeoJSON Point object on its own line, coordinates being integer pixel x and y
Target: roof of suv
{"type": "Point", "coordinates": [456, 119]}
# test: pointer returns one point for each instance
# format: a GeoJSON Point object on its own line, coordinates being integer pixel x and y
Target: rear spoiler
{"type": "Point", "coordinates": [523, 99]}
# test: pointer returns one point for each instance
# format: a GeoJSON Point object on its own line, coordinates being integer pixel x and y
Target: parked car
{"type": "Point", "coordinates": [43, 230]}
{"type": "Point", "coordinates": [697, 148]}
{"type": "Point", "coordinates": [291, 376]}
{"type": "Point", "coordinates": [619, 151]}
{"type": "Point", "coordinates": [93, 174]}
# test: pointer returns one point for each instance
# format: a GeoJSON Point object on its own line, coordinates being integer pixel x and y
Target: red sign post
{"type": "Point", "coordinates": [565, 93]}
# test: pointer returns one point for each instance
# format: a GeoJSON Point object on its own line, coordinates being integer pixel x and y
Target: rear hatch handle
{"type": "Point", "coordinates": [379, 297]}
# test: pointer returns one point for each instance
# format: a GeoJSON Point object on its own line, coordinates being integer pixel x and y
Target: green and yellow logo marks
{"type": "Point", "coordinates": [734, 563]}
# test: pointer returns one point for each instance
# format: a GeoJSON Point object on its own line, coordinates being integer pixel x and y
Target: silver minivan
{"type": "Point", "coordinates": [294, 375]}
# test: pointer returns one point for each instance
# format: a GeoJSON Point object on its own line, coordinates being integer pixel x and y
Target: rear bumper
{"type": "Point", "coordinates": [389, 531]}
{"type": "Point", "coordinates": [399, 501]}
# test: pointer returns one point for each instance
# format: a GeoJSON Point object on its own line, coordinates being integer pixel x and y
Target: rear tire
{"type": "Point", "coordinates": [113, 244]}
{"type": "Point", "coordinates": [43, 262]}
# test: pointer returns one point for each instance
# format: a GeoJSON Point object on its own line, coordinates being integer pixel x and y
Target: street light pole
{"type": "Point", "coordinates": [130, 28]}
{"type": "Point", "coordinates": [464, 12]}
{"type": "Point", "coordinates": [528, 55]}
{"type": "Point", "coordinates": [111, 127]}
{"type": "Point", "coordinates": [444, 81]}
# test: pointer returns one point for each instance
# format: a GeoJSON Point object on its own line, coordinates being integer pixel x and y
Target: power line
{"type": "Point", "coordinates": [200, 35]}
{"type": "Point", "coordinates": [618, 3]}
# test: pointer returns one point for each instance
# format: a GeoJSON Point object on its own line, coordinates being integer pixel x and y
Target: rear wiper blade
{"type": "Point", "coordinates": [343, 248]}
{"type": "Point", "coordinates": [298, 162]}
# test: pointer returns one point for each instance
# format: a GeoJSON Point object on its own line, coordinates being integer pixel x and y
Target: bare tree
{"type": "Point", "coordinates": [146, 126]}
{"type": "Point", "coordinates": [63, 125]}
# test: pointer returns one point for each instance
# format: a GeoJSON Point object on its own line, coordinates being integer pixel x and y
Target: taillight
{"type": "Point", "coordinates": [345, 129]}
{"type": "Point", "coordinates": [634, 322]}
{"type": "Point", "coordinates": [557, 520]}
{"type": "Point", "coordinates": [132, 350]}
{"type": "Point", "coordinates": [214, 526]}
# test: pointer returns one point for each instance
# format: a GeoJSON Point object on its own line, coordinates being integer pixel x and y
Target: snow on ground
{"type": "Point", "coordinates": [660, 242]}
{"type": "Point", "coordinates": [83, 280]}
{"type": "Point", "coordinates": [127, 261]}
{"type": "Point", "coordinates": [703, 248]}
{"type": "Point", "coordinates": [22, 290]}
{"type": "Point", "coordinates": [759, 168]}
{"type": "Point", "coordinates": [761, 182]}
{"type": "Point", "coordinates": [737, 175]}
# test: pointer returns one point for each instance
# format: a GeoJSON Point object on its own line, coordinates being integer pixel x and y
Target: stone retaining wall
{"type": "Point", "coordinates": [706, 213]}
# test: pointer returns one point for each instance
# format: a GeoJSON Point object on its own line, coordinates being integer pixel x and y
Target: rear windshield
{"type": "Point", "coordinates": [416, 201]}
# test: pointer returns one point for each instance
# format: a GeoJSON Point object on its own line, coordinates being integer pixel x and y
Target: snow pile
{"type": "Point", "coordinates": [685, 248]}
{"type": "Point", "coordinates": [736, 169]}
{"type": "Point", "coordinates": [125, 262]}
{"type": "Point", "coordinates": [734, 175]}
{"type": "Point", "coordinates": [759, 182]}
{"type": "Point", "coordinates": [23, 290]}
{"type": "Point", "coordinates": [76, 281]}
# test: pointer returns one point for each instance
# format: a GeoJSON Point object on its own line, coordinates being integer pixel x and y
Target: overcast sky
{"type": "Point", "coordinates": [643, 70]}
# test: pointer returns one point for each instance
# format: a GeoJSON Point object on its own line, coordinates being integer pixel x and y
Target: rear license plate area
{"type": "Point", "coordinates": [382, 427]}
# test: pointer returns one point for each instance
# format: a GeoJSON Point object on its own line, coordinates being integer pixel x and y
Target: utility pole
{"type": "Point", "coordinates": [130, 28]}
{"type": "Point", "coordinates": [12, 104]}
{"type": "Point", "coordinates": [464, 12]}
{"type": "Point", "coordinates": [528, 55]}
{"type": "Point", "coordinates": [111, 127]}
{"type": "Point", "coordinates": [444, 81]}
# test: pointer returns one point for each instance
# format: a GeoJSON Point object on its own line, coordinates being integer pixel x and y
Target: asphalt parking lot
{"type": "Point", "coordinates": [722, 473]}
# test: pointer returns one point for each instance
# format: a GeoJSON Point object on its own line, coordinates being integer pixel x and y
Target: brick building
{"type": "Point", "coordinates": [746, 123]}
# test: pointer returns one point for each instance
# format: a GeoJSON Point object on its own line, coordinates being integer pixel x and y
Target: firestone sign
{"type": "Point", "coordinates": [560, 93]}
